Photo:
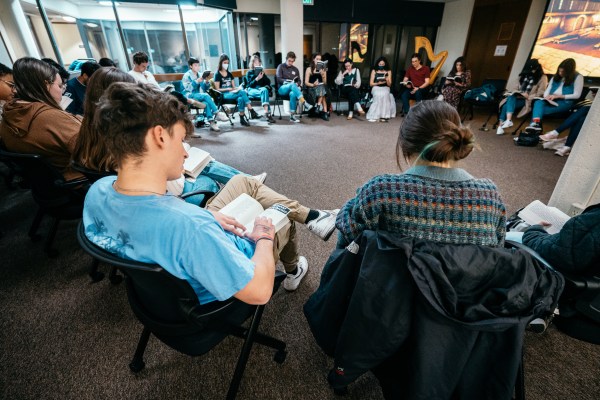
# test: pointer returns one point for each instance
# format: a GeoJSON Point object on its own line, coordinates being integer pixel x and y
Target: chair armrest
{"type": "Point", "coordinates": [70, 184]}
{"type": "Point", "coordinates": [528, 250]}
{"type": "Point", "coordinates": [208, 193]}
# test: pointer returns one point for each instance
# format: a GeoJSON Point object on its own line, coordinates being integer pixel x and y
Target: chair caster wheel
{"type": "Point", "coordinates": [341, 392]}
{"type": "Point", "coordinates": [280, 356]}
{"type": "Point", "coordinates": [51, 253]}
{"type": "Point", "coordinates": [96, 276]}
{"type": "Point", "coordinates": [137, 366]}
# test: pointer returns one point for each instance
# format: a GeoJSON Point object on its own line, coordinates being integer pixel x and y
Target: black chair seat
{"type": "Point", "coordinates": [169, 309]}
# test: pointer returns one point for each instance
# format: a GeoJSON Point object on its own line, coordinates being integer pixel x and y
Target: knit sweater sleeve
{"type": "Point", "coordinates": [359, 213]}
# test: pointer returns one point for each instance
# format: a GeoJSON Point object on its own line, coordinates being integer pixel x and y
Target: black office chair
{"type": "Point", "coordinates": [491, 104]}
{"type": "Point", "coordinates": [169, 309]}
{"type": "Point", "coordinates": [221, 102]}
{"type": "Point", "coordinates": [279, 98]}
{"type": "Point", "coordinates": [56, 197]}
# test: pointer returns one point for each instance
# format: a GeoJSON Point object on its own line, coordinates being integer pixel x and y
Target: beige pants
{"type": "Point", "coordinates": [285, 246]}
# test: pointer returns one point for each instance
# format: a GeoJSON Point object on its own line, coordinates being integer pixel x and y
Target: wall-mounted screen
{"type": "Point", "coordinates": [570, 29]}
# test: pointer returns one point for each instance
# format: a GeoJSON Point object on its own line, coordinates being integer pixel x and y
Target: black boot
{"type": "Point", "coordinates": [270, 118]}
{"type": "Point", "coordinates": [324, 116]}
{"type": "Point", "coordinates": [254, 114]}
{"type": "Point", "coordinates": [244, 120]}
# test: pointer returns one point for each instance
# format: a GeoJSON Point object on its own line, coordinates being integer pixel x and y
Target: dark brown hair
{"type": "Point", "coordinates": [91, 150]}
{"type": "Point", "coordinates": [313, 64]}
{"type": "Point", "coordinates": [31, 77]}
{"type": "Point", "coordinates": [139, 57]}
{"type": "Point", "coordinates": [127, 111]}
{"type": "Point", "coordinates": [433, 131]}
{"type": "Point", "coordinates": [221, 59]}
{"type": "Point", "coordinates": [568, 65]}
{"type": "Point", "coordinates": [290, 54]}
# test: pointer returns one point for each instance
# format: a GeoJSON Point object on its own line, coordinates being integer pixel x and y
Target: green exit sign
{"type": "Point", "coordinates": [308, 2]}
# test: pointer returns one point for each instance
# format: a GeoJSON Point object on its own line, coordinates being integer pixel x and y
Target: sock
{"type": "Point", "coordinates": [350, 114]}
{"type": "Point", "coordinates": [294, 272]}
{"type": "Point", "coordinates": [312, 214]}
{"type": "Point", "coordinates": [535, 120]}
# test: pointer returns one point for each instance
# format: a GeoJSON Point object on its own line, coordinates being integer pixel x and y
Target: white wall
{"type": "Point", "coordinates": [259, 6]}
{"type": "Point", "coordinates": [452, 34]}
{"type": "Point", "coordinates": [534, 19]}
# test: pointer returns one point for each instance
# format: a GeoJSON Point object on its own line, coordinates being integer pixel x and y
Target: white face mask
{"type": "Point", "coordinates": [225, 66]}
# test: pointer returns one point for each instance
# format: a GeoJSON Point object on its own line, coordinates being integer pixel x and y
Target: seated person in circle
{"type": "Point", "coordinates": [92, 151]}
{"type": "Point", "coordinates": [564, 88]}
{"type": "Point", "coordinates": [258, 86]}
{"type": "Point", "coordinates": [454, 89]}
{"type": "Point", "coordinates": [416, 80]}
{"type": "Point", "coordinates": [289, 83]}
{"type": "Point", "coordinates": [316, 82]}
{"type": "Point", "coordinates": [107, 62]}
{"type": "Point", "coordinates": [575, 122]}
{"type": "Point", "coordinates": [575, 249]}
{"type": "Point", "coordinates": [349, 82]}
{"type": "Point", "coordinates": [34, 123]}
{"type": "Point", "coordinates": [7, 87]}
{"type": "Point", "coordinates": [131, 214]}
{"type": "Point", "coordinates": [532, 83]}
{"type": "Point", "coordinates": [225, 83]}
{"type": "Point", "coordinates": [383, 106]}
{"type": "Point", "coordinates": [434, 199]}
{"type": "Point", "coordinates": [76, 87]}
{"type": "Point", "coordinates": [140, 70]}
{"type": "Point", "coordinates": [192, 90]}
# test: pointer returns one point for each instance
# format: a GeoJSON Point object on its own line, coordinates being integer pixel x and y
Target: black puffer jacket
{"type": "Point", "coordinates": [432, 321]}
{"type": "Point", "coordinates": [576, 248]}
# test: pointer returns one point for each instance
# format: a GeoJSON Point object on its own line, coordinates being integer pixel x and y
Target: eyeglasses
{"type": "Point", "coordinates": [10, 84]}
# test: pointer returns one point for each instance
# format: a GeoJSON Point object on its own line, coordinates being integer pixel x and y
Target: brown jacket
{"type": "Point", "coordinates": [536, 91]}
{"type": "Point", "coordinates": [37, 128]}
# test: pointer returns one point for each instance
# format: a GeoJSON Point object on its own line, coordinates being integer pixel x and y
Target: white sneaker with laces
{"type": "Point", "coordinates": [506, 124]}
{"type": "Point", "coordinates": [214, 127]}
{"type": "Point", "coordinates": [563, 151]}
{"type": "Point", "coordinates": [549, 136]}
{"type": "Point", "coordinates": [324, 225]}
{"type": "Point", "coordinates": [372, 120]}
{"type": "Point", "coordinates": [500, 131]}
{"type": "Point", "coordinates": [221, 116]}
{"type": "Point", "coordinates": [261, 177]}
{"type": "Point", "coordinates": [294, 118]}
{"type": "Point", "coordinates": [292, 281]}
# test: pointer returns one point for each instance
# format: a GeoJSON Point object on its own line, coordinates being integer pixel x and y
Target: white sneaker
{"type": "Point", "coordinates": [563, 151]}
{"type": "Point", "coordinates": [292, 281]}
{"type": "Point", "coordinates": [261, 177]}
{"type": "Point", "coordinates": [372, 120]}
{"type": "Point", "coordinates": [214, 127]}
{"type": "Point", "coordinates": [350, 115]}
{"type": "Point", "coordinates": [554, 144]}
{"type": "Point", "coordinates": [549, 136]}
{"type": "Point", "coordinates": [506, 124]}
{"type": "Point", "coordinates": [294, 118]}
{"type": "Point", "coordinates": [440, 97]}
{"type": "Point", "coordinates": [221, 116]}
{"type": "Point", "coordinates": [359, 109]}
{"type": "Point", "coordinates": [500, 131]}
{"type": "Point", "coordinates": [324, 225]}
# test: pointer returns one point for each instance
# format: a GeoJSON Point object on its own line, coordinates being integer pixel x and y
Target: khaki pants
{"type": "Point", "coordinates": [285, 246]}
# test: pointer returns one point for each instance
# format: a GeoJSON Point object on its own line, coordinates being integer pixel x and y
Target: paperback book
{"type": "Point", "coordinates": [245, 209]}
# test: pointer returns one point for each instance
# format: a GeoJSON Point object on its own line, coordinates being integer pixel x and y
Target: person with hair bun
{"type": "Point", "coordinates": [434, 199]}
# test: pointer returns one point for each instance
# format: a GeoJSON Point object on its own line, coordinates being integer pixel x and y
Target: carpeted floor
{"type": "Point", "coordinates": [62, 337]}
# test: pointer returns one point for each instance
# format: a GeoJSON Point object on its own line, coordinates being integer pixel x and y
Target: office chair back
{"type": "Point", "coordinates": [91, 174]}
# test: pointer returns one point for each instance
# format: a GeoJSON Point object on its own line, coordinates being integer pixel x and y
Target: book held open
{"type": "Point", "coordinates": [551, 102]}
{"type": "Point", "coordinates": [196, 161]}
{"type": "Point", "coordinates": [536, 211]}
{"type": "Point", "coordinates": [320, 66]}
{"type": "Point", "coordinates": [245, 209]}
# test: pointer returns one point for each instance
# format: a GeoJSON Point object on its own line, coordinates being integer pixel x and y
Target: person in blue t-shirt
{"type": "Point", "coordinates": [193, 89]}
{"type": "Point", "coordinates": [131, 214]}
{"type": "Point", "coordinates": [76, 87]}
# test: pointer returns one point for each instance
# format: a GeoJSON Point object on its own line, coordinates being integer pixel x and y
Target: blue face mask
{"type": "Point", "coordinates": [381, 67]}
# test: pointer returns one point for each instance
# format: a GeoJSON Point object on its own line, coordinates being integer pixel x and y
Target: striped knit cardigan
{"type": "Point", "coordinates": [444, 205]}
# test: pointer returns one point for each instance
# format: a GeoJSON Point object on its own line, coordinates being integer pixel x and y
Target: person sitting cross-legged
{"type": "Point", "coordinates": [192, 89]}
{"type": "Point", "coordinates": [132, 216]}
{"type": "Point", "coordinates": [289, 81]}
{"type": "Point", "coordinates": [258, 86]}
{"type": "Point", "coordinates": [416, 80]}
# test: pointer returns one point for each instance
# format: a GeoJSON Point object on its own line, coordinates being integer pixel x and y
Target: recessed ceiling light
{"type": "Point", "coordinates": [107, 3]}
{"type": "Point", "coordinates": [91, 25]}
{"type": "Point", "coordinates": [253, 18]}
{"type": "Point", "coordinates": [68, 19]}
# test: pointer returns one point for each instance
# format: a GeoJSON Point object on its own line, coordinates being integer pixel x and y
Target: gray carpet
{"type": "Point", "coordinates": [62, 337]}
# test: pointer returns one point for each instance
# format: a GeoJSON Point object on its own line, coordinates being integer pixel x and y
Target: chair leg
{"type": "Point", "coordinates": [96, 275]}
{"type": "Point", "coordinates": [50, 239]}
{"type": "Point", "coordinates": [35, 225]}
{"type": "Point", "coordinates": [245, 353]}
{"type": "Point", "coordinates": [137, 363]}
{"type": "Point", "coordinates": [516, 130]}
{"type": "Point", "coordinates": [520, 383]}
{"type": "Point", "coordinates": [269, 341]}
{"type": "Point", "coordinates": [278, 108]}
{"type": "Point", "coordinates": [114, 277]}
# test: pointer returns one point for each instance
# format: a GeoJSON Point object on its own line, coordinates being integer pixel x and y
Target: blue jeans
{"type": "Point", "coordinates": [575, 122]}
{"type": "Point", "coordinates": [261, 92]}
{"type": "Point", "coordinates": [406, 96]}
{"type": "Point", "coordinates": [294, 92]}
{"type": "Point", "coordinates": [512, 103]}
{"type": "Point", "coordinates": [211, 108]}
{"type": "Point", "coordinates": [541, 108]}
{"type": "Point", "coordinates": [214, 172]}
{"type": "Point", "coordinates": [241, 97]}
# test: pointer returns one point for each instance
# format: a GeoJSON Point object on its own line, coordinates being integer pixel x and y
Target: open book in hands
{"type": "Point", "coordinates": [515, 93]}
{"type": "Point", "coordinates": [320, 66]}
{"type": "Point", "coordinates": [536, 212]}
{"type": "Point", "coordinates": [408, 84]}
{"type": "Point", "coordinates": [197, 160]}
{"type": "Point", "coordinates": [455, 79]}
{"type": "Point", "coordinates": [245, 209]}
{"type": "Point", "coordinates": [551, 102]}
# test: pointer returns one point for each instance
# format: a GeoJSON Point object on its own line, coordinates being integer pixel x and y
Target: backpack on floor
{"type": "Point", "coordinates": [481, 94]}
{"type": "Point", "coordinates": [527, 139]}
